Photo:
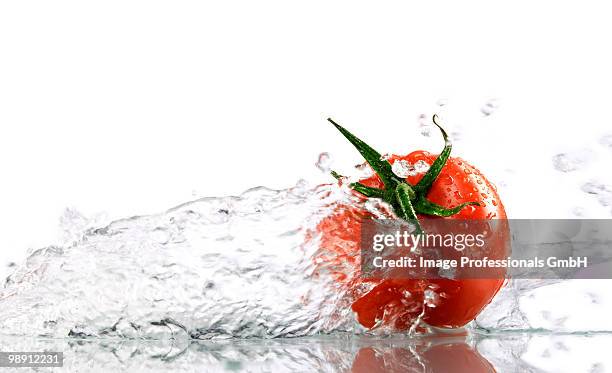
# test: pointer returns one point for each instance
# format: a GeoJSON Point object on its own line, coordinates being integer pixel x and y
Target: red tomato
{"type": "Point", "coordinates": [398, 302]}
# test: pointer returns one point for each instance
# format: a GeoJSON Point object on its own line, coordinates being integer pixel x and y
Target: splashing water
{"type": "Point", "coordinates": [421, 166]}
{"type": "Point", "coordinates": [324, 162]}
{"type": "Point", "coordinates": [216, 267]}
{"type": "Point", "coordinates": [403, 168]}
{"type": "Point", "coordinates": [363, 170]}
{"type": "Point", "coordinates": [568, 162]}
{"type": "Point", "coordinates": [602, 191]}
{"type": "Point", "coordinates": [425, 128]}
{"type": "Point", "coordinates": [606, 141]}
{"type": "Point", "coordinates": [229, 267]}
{"type": "Point", "coordinates": [489, 107]}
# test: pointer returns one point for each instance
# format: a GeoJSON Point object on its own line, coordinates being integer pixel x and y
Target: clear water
{"type": "Point", "coordinates": [212, 268]}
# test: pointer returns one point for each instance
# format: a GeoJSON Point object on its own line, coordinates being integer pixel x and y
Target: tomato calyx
{"type": "Point", "coordinates": [407, 200]}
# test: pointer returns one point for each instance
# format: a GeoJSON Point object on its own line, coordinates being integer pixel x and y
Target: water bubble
{"type": "Point", "coordinates": [568, 162]}
{"type": "Point", "coordinates": [403, 168]}
{"type": "Point", "coordinates": [593, 187]}
{"type": "Point", "coordinates": [597, 368]}
{"type": "Point", "coordinates": [490, 107]}
{"type": "Point", "coordinates": [455, 135]}
{"type": "Point", "coordinates": [562, 163]}
{"type": "Point", "coordinates": [449, 272]}
{"type": "Point", "coordinates": [430, 299]}
{"type": "Point", "coordinates": [324, 162]}
{"type": "Point", "coordinates": [302, 185]}
{"type": "Point", "coordinates": [160, 235]}
{"type": "Point", "coordinates": [424, 125]}
{"type": "Point", "coordinates": [605, 199]}
{"type": "Point", "coordinates": [602, 191]}
{"type": "Point", "coordinates": [421, 166]}
{"type": "Point", "coordinates": [73, 224]}
{"type": "Point", "coordinates": [579, 211]}
{"type": "Point", "coordinates": [606, 141]}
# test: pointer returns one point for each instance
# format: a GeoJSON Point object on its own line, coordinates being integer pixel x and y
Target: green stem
{"type": "Point", "coordinates": [406, 200]}
{"type": "Point", "coordinates": [381, 167]}
{"type": "Point", "coordinates": [363, 189]}
{"type": "Point", "coordinates": [432, 174]}
{"type": "Point", "coordinates": [367, 191]}
{"type": "Point", "coordinates": [406, 211]}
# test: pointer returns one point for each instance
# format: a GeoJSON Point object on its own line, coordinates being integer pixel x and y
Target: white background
{"type": "Point", "coordinates": [131, 107]}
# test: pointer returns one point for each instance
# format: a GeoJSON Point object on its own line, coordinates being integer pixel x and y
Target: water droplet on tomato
{"type": "Point", "coordinates": [403, 168]}
{"type": "Point", "coordinates": [430, 299]}
{"type": "Point", "coordinates": [421, 166]}
{"type": "Point", "coordinates": [446, 179]}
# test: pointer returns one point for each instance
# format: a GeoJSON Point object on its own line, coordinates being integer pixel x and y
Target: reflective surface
{"type": "Point", "coordinates": [454, 353]}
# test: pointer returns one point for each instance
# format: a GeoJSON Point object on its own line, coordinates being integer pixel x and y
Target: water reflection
{"type": "Point", "coordinates": [476, 353]}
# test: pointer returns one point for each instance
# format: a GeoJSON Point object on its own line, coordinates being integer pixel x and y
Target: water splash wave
{"type": "Point", "coordinates": [211, 268]}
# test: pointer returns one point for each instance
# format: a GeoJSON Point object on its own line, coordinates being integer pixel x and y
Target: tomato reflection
{"type": "Point", "coordinates": [441, 355]}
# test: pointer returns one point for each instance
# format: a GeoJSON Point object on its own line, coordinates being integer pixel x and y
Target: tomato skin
{"type": "Point", "coordinates": [463, 299]}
